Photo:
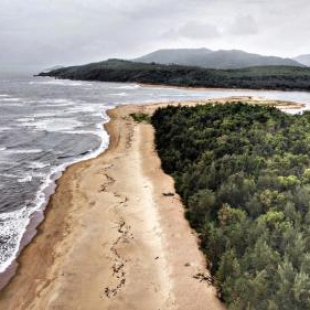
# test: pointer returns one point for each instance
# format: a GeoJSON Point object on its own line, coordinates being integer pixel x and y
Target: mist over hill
{"type": "Point", "coordinates": [53, 68]}
{"type": "Point", "coordinates": [303, 59]}
{"type": "Point", "coordinates": [185, 56]}
{"type": "Point", "coordinates": [206, 58]}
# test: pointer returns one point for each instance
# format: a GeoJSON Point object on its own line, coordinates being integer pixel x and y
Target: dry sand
{"type": "Point", "coordinates": [111, 239]}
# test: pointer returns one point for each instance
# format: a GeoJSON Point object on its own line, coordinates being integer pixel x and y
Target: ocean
{"type": "Point", "coordinates": [48, 124]}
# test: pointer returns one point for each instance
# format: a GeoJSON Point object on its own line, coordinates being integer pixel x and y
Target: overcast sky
{"type": "Point", "coordinates": [43, 33]}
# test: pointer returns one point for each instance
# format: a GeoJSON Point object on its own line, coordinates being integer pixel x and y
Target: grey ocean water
{"type": "Point", "coordinates": [48, 124]}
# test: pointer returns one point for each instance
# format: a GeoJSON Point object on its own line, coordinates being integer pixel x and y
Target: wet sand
{"type": "Point", "coordinates": [111, 239]}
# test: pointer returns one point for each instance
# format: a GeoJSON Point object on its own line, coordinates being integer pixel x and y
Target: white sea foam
{"type": "Point", "coordinates": [12, 228]}
{"type": "Point", "coordinates": [61, 113]}
{"type": "Point", "coordinates": [6, 99]}
{"type": "Point", "coordinates": [8, 175]}
{"type": "Point", "coordinates": [25, 119]}
{"type": "Point", "coordinates": [57, 124]}
{"type": "Point", "coordinates": [13, 225]}
{"type": "Point", "coordinates": [119, 94]}
{"type": "Point", "coordinates": [26, 178]}
{"type": "Point", "coordinates": [56, 102]}
{"type": "Point", "coordinates": [182, 95]}
{"type": "Point", "coordinates": [38, 115]}
{"type": "Point", "coordinates": [61, 83]}
{"type": "Point", "coordinates": [104, 137]}
{"type": "Point", "coordinates": [82, 108]}
{"type": "Point", "coordinates": [49, 124]}
{"type": "Point", "coordinates": [136, 86]}
{"type": "Point", "coordinates": [22, 151]}
{"type": "Point", "coordinates": [38, 174]}
{"type": "Point", "coordinates": [37, 165]}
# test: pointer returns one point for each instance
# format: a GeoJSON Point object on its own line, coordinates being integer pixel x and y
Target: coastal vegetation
{"type": "Point", "coordinates": [243, 173]}
{"type": "Point", "coordinates": [140, 117]}
{"type": "Point", "coordinates": [114, 70]}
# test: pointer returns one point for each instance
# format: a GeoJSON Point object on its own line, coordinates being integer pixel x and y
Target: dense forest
{"type": "Point", "coordinates": [114, 70]}
{"type": "Point", "coordinates": [243, 173]}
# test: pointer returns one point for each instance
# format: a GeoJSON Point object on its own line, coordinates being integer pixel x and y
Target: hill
{"type": "Point", "coordinates": [114, 70]}
{"type": "Point", "coordinates": [185, 57]}
{"type": "Point", "coordinates": [222, 59]}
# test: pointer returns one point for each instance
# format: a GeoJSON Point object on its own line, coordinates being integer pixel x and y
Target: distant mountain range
{"type": "Point", "coordinates": [303, 59]}
{"type": "Point", "coordinates": [222, 59]}
{"type": "Point", "coordinates": [198, 68]}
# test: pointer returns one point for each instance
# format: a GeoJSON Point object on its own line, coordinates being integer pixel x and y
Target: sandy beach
{"type": "Point", "coordinates": [111, 239]}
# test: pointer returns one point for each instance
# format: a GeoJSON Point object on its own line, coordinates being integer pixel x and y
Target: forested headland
{"type": "Point", "coordinates": [243, 173]}
{"type": "Point", "coordinates": [114, 70]}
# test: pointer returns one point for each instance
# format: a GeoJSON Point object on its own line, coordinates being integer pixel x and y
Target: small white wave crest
{"type": "Point", "coordinates": [37, 165]}
{"type": "Point", "coordinates": [26, 178]}
{"type": "Point", "coordinates": [119, 94]}
{"type": "Point", "coordinates": [22, 151]}
{"type": "Point", "coordinates": [136, 86]}
{"type": "Point", "coordinates": [7, 99]}
{"type": "Point", "coordinates": [61, 83]}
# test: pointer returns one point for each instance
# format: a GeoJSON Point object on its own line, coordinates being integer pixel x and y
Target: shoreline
{"type": "Point", "coordinates": [48, 237]}
{"type": "Point", "coordinates": [213, 88]}
{"type": "Point", "coordinates": [47, 190]}
{"type": "Point", "coordinates": [201, 88]}
{"type": "Point", "coordinates": [46, 263]}
{"type": "Point", "coordinates": [280, 104]}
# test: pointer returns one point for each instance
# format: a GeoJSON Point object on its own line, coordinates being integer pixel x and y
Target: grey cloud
{"type": "Point", "coordinates": [244, 25]}
{"type": "Point", "coordinates": [193, 30]}
{"type": "Point", "coordinates": [47, 32]}
{"type": "Point", "coordinates": [197, 30]}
